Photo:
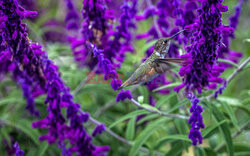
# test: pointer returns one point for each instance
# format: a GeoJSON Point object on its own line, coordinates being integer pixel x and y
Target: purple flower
{"type": "Point", "coordinates": [234, 20]}
{"type": "Point", "coordinates": [31, 63]}
{"type": "Point", "coordinates": [119, 40]}
{"type": "Point", "coordinates": [106, 66]}
{"type": "Point", "coordinates": [27, 94]}
{"type": "Point", "coordinates": [220, 90]}
{"type": "Point", "coordinates": [17, 150]}
{"type": "Point", "coordinates": [72, 17]}
{"type": "Point", "coordinates": [123, 95]}
{"type": "Point", "coordinates": [94, 29]}
{"type": "Point", "coordinates": [195, 120]}
{"type": "Point", "coordinates": [65, 151]}
{"type": "Point", "coordinates": [204, 47]}
{"type": "Point", "coordinates": [149, 12]}
{"type": "Point", "coordinates": [28, 4]}
{"type": "Point", "coordinates": [98, 130]}
{"type": "Point", "coordinates": [224, 50]}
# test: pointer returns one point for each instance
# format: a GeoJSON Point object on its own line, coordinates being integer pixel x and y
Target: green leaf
{"type": "Point", "coordinates": [178, 137]}
{"type": "Point", "coordinates": [147, 46]}
{"type": "Point", "coordinates": [242, 148]}
{"type": "Point", "coordinates": [42, 148]}
{"type": "Point", "coordinates": [176, 149]}
{"type": "Point", "coordinates": [208, 130]}
{"type": "Point", "coordinates": [5, 134]}
{"type": "Point", "coordinates": [11, 100]}
{"type": "Point", "coordinates": [150, 107]}
{"type": "Point", "coordinates": [228, 62]}
{"type": "Point", "coordinates": [229, 100]}
{"type": "Point", "coordinates": [144, 92]}
{"type": "Point", "coordinates": [26, 128]}
{"type": "Point", "coordinates": [145, 134]}
{"type": "Point", "coordinates": [171, 85]}
{"type": "Point", "coordinates": [200, 151]}
{"type": "Point", "coordinates": [178, 105]}
{"type": "Point", "coordinates": [130, 115]}
{"type": "Point", "coordinates": [164, 100]}
{"type": "Point", "coordinates": [147, 118]}
{"type": "Point", "coordinates": [130, 131]}
{"type": "Point", "coordinates": [224, 128]}
{"type": "Point", "coordinates": [231, 115]}
{"type": "Point", "coordinates": [182, 128]}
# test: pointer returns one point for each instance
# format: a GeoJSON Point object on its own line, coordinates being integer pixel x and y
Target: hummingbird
{"type": "Point", "coordinates": [155, 64]}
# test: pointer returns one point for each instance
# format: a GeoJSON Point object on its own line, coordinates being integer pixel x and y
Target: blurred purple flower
{"type": "Point", "coordinates": [28, 4]}
{"type": "Point", "coordinates": [65, 151]}
{"type": "Point", "coordinates": [234, 19]}
{"type": "Point", "coordinates": [26, 87]}
{"type": "Point", "coordinates": [55, 31]}
{"type": "Point", "coordinates": [119, 40]}
{"type": "Point", "coordinates": [203, 50]}
{"type": "Point", "coordinates": [98, 130]}
{"type": "Point", "coordinates": [32, 63]}
{"type": "Point", "coordinates": [224, 50]}
{"type": "Point", "coordinates": [98, 30]}
{"type": "Point", "coordinates": [106, 66]}
{"type": "Point", "coordinates": [72, 19]}
{"type": "Point", "coordinates": [195, 120]}
{"type": "Point", "coordinates": [18, 152]}
{"type": "Point", "coordinates": [97, 21]}
{"type": "Point", "coordinates": [123, 95]}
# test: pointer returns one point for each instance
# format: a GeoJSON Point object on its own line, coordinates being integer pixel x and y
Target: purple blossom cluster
{"type": "Point", "coordinates": [12, 150]}
{"type": "Point", "coordinates": [224, 50]}
{"type": "Point", "coordinates": [94, 28]}
{"type": "Point", "coordinates": [109, 73]}
{"type": "Point", "coordinates": [30, 64]}
{"type": "Point", "coordinates": [18, 151]}
{"type": "Point", "coordinates": [105, 64]}
{"type": "Point", "coordinates": [195, 120]}
{"type": "Point", "coordinates": [208, 30]}
{"type": "Point", "coordinates": [119, 40]}
{"type": "Point", "coordinates": [97, 28]}
{"type": "Point", "coordinates": [72, 19]}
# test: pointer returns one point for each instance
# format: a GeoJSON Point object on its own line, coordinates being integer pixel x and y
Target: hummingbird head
{"type": "Point", "coordinates": [162, 45]}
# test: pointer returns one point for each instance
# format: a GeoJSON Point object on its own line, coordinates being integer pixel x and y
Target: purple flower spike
{"type": "Point", "coordinates": [17, 150]}
{"type": "Point", "coordinates": [123, 95]}
{"type": "Point", "coordinates": [234, 19]}
{"type": "Point", "coordinates": [98, 130]}
{"type": "Point", "coordinates": [30, 66]}
{"type": "Point", "coordinates": [28, 96]}
{"type": "Point", "coordinates": [204, 47]}
{"type": "Point", "coordinates": [195, 120]}
{"type": "Point", "coordinates": [72, 17]}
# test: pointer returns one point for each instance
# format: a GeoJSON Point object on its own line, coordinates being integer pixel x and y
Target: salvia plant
{"type": "Point", "coordinates": [128, 77]}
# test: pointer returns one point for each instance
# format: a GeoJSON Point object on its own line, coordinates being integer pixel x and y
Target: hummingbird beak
{"type": "Point", "coordinates": [171, 37]}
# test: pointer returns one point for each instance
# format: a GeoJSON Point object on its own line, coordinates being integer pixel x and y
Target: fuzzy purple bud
{"type": "Point", "coordinates": [17, 150]}
{"type": "Point", "coordinates": [98, 130]}
{"type": "Point", "coordinates": [123, 95]}
{"type": "Point", "coordinates": [195, 120]}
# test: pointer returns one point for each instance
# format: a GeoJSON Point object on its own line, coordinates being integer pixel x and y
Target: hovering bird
{"type": "Point", "coordinates": [155, 65]}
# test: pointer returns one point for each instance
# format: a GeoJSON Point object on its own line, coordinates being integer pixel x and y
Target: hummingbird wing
{"type": "Point", "coordinates": [163, 64]}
